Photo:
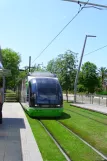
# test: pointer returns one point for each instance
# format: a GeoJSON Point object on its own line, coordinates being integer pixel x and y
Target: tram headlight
{"type": "Point", "coordinates": [58, 105]}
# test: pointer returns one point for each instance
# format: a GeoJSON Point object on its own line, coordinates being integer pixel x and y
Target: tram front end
{"type": "Point", "coordinates": [46, 99]}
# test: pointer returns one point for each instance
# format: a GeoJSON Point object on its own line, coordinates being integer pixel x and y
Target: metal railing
{"type": "Point", "coordinates": [89, 99]}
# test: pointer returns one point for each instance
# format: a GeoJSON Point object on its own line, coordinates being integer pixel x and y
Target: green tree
{"type": "Point", "coordinates": [103, 74]}
{"type": "Point", "coordinates": [80, 86]}
{"type": "Point", "coordinates": [90, 78]}
{"type": "Point", "coordinates": [64, 66]}
{"type": "Point", "coordinates": [52, 66]}
{"type": "Point", "coordinates": [38, 67]}
{"type": "Point", "coordinates": [11, 60]}
{"type": "Point", "coordinates": [22, 74]}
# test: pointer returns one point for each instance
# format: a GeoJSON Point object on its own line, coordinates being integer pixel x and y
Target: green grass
{"type": "Point", "coordinates": [102, 93]}
{"type": "Point", "coordinates": [90, 130]}
{"type": "Point", "coordinates": [48, 149]}
{"type": "Point", "coordinates": [74, 147]}
{"type": "Point", "coordinates": [9, 91]}
{"type": "Point", "coordinates": [86, 113]}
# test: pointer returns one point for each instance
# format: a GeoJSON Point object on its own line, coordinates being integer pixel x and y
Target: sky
{"type": "Point", "coordinates": [27, 26]}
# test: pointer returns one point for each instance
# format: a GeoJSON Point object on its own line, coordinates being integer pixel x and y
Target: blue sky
{"type": "Point", "coordinates": [27, 26]}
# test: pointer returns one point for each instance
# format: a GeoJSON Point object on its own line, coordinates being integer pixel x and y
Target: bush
{"type": "Point", "coordinates": [102, 93]}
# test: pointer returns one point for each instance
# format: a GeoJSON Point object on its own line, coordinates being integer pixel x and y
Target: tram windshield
{"type": "Point", "coordinates": [47, 90]}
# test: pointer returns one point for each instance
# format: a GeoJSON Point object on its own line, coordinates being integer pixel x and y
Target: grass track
{"type": "Point", "coordinates": [91, 131]}
{"type": "Point", "coordinates": [74, 148]}
{"type": "Point", "coordinates": [88, 115]}
{"type": "Point", "coordinates": [102, 117]}
{"type": "Point", "coordinates": [48, 149]}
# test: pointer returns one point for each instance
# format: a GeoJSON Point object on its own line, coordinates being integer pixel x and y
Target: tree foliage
{"type": "Point", "coordinates": [11, 60]}
{"type": "Point", "coordinates": [89, 76]}
{"type": "Point", "coordinates": [38, 67]}
{"type": "Point", "coordinates": [103, 74]}
{"type": "Point", "coordinates": [64, 66]}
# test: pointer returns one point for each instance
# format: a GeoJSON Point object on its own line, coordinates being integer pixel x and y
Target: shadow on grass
{"type": "Point", "coordinates": [62, 117]}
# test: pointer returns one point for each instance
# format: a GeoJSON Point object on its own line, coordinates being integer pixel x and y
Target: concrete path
{"type": "Point", "coordinates": [93, 107]}
{"type": "Point", "coordinates": [17, 142]}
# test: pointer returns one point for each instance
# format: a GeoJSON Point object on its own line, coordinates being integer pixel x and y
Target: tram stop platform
{"type": "Point", "coordinates": [92, 107]}
{"type": "Point", "coordinates": [17, 142]}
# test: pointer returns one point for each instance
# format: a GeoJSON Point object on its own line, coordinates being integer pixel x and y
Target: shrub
{"type": "Point", "coordinates": [102, 93]}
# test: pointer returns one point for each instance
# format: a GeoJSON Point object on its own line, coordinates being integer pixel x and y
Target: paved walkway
{"type": "Point", "coordinates": [93, 107]}
{"type": "Point", "coordinates": [17, 142]}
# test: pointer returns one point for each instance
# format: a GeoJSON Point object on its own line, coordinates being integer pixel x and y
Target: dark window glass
{"type": "Point", "coordinates": [47, 86]}
{"type": "Point", "coordinates": [47, 90]}
{"type": "Point", "coordinates": [33, 86]}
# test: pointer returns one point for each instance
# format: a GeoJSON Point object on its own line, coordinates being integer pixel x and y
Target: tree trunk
{"type": "Point", "coordinates": [67, 95]}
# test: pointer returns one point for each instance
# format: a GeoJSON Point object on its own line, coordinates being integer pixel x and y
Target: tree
{"type": "Point", "coordinates": [103, 74]}
{"type": "Point", "coordinates": [52, 66]}
{"type": "Point", "coordinates": [80, 86]}
{"type": "Point", "coordinates": [11, 60]}
{"type": "Point", "coordinates": [38, 68]}
{"type": "Point", "coordinates": [64, 66]}
{"type": "Point", "coordinates": [22, 74]}
{"type": "Point", "coordinates": [90, 76]}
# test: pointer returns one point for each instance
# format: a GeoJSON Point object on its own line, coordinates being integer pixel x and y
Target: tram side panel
{"type": "Point", "coordinates": [24, 95]}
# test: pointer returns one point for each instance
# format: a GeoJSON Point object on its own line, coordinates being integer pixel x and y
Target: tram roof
{"type": "Point", "coordinates": [42, 74]}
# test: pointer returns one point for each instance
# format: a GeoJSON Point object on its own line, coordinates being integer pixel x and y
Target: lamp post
{"type": "Point", "coordinates": [76, 79]}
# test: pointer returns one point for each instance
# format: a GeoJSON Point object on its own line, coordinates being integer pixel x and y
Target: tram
{"type": "Point", "coordinates": [41, 95]}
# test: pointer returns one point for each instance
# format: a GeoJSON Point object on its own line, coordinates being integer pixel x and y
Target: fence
{"type": "Point", "coordinates": [89, 99]}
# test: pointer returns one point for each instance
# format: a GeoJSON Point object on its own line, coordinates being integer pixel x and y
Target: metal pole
{"type": "Point", "coordinates": [106, 101]}
{"type": "Point", "coordinates": [76, 79]}
{"type": "Point", "coordinates": [3, 77]}
{"type": "Point", "coordinates": [3, 88]}
{"type": "Point", "coordinates": [29, 63]}
{"type": "Point", "coordinates": [92, 4]}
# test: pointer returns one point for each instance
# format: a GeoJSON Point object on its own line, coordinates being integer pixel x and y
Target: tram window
{"type": "Point", "coordinates": [33, 88]}
{"type": "Point", "coordinates": [47, 86]}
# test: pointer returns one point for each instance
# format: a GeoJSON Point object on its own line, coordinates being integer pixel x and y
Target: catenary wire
{"type": "Point", "coordinates": [81, 8]}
